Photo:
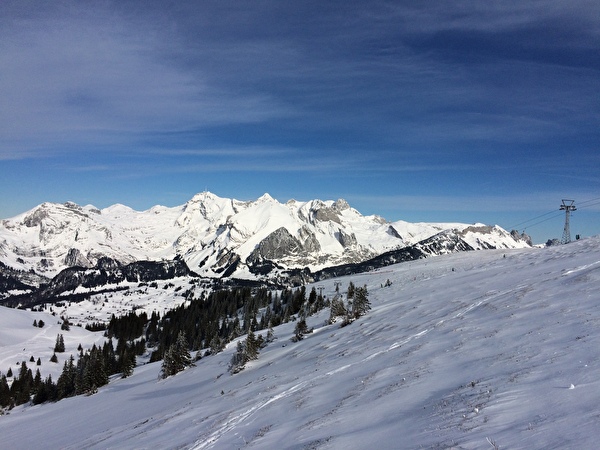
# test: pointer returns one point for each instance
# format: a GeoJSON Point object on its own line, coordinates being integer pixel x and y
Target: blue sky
{"type": "Point", "coordinates": [463, 111]}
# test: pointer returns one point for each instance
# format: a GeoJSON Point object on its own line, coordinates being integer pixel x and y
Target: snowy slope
{"type": "Point", "coordinates": [215, 236]}
{"type": "Point", "coordinates": [20, 340]}
{"type": "Point", "coordinates": [461, 350]}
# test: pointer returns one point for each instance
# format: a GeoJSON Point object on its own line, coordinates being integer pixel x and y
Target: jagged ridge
{"type": "Point", "coordinates": [219, 237]}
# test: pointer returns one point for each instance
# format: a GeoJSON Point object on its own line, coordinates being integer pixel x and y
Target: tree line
{"type": "Point", "coordinates": [204, 325]}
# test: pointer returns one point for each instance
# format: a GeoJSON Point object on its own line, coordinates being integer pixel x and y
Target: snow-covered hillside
{"type": "Point", "coordinates": [467, 350]}
{"type": "Point", "coordinates": [215, 236]}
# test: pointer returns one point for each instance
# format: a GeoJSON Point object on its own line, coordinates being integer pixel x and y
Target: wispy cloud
{"type": "Point", "coordinates": [101, 77]}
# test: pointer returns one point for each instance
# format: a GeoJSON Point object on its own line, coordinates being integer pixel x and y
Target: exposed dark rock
{"type": "Point", "coordinates": [521, 237]}
{"type": "Point", "coordinates": [75, 258]}
{"type": "Point", "coordinates": [327, 214]}
{"type": "Point", "coordinates": [347, 240]}
{"type": "Point", "coordinates": [36, 217]}
{"type": "Point", "coordinates": [444, 242]}
{"type": "Point", "coordinates": [279, 244]}
{"type": "Point", "coordinates": [393, 232]}
{"type": "Point", "coordinates": [310, 242]}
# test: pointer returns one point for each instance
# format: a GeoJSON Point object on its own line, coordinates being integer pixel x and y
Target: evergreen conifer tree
{"type": "Point", "coordinates": [239, 359]}
{"type": "Point", "coordinates": [59, 347]}
{"type": "Point", "coordinates": [351, 289]}
{"type": "Point", "coordinates": [65, 384]}
{"type": "Point", "coordinates": [252, 346]}
{"type": "Point", "coordinates": [37, 381]}
{"type": "Point", "coordinates": [177, 357]}
{"type": "Point", "coordinates": [127, 363]}
{"type": "Point", "coordinates": [361, 304]}
{"type": "Point", "coordinates": [337, 309]}
{"type": "Point", "coordinates": [4, 392]}
{"type": "Point", "coordinates": [300, 330]}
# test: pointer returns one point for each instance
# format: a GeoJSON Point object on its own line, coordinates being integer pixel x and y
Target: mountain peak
{"type": "Point", "coordinates": [265, 198]}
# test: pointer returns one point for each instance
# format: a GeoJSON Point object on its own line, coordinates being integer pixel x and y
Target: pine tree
{"type": "Point", "coordinates": [361, 304]}
{"type": "Point", "coordinates": [4, 392]}
{"type": "Point", "coordinates": [351, 290]}
{"type": "Point", "coordinates": [300, 330]}
{"type": "Point", "coordinates": [37, 381]}
{"type": "Point", "coordinates": [59, 347]}
{"type": "Point", "coordinates": [65, 384]}
{"type": "Point", "coordinates": [270, 334]}
{"type": "Point", "coordinates": [21, 387]}
{"type": "Point", "coordinates": [127, 363]}
{"type": "Point", "coordinates": [337, 309]}
{"type": "Point", "coordinates": [66, 326]}
{"type": "Point", "coordinates": [252, 346]}
{"type": "Point", "coordinates": [41, 394]}
{"type": "Point", "coordinates": [216, 344]}
{"type": "Point", "coordinates": [181, 354]}
{"type": "Point", "coordinates": [177, 357]}
{"type": "Point", "coordinates": [238, 359]}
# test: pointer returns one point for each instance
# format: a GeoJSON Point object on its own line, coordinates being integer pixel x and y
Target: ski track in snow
{"type": "Point", "coordinates": [232, 422]}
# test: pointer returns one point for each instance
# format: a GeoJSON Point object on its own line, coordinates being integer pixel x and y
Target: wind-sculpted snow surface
{"type": "Point", "coordinates": [460, 351]}
{"type": "Point", "coordinates": [218, 237]}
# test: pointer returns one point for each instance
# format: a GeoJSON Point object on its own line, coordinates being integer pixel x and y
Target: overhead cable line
{"type": "Point", "coordinates": [542, 221]}
{"type": "Point", "coordinates": [590, 200]}
{"type": "Point", "coordinates": [581, 205]}
{"type": "Point", "coordinates": [530, 220]}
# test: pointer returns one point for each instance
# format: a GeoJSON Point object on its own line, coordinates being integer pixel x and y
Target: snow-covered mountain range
{"type": "Point", "coordinates": [221, 237]}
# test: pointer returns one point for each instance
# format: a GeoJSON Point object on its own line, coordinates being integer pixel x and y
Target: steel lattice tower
{"type": "Point", "coordinates": [567, 206]}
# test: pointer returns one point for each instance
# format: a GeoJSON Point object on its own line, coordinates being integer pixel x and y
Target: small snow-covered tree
{"type": "Point", "coordinates": [337, 309]}
{"type": "Point", "coordinates": [246, 350]}
{"type": "Point", "coordinates": [238, 359]}
{"type": "Point", "coordinates": [361, 304]}
{"type": "Point", "coordinates": [177, 357]}
{"type": "Point", "coordinates": [300, 330]}
{"type": "Point", "coordinates": [270, 334]}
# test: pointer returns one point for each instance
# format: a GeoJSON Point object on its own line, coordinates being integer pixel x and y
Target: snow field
{"type": "Point", "coordinates": [460, 351]}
